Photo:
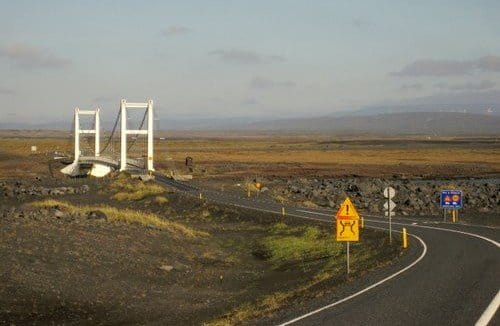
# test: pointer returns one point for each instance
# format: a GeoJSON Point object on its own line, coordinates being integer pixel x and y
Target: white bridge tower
{"type": "Point", "coordinates": [74, 168]}
{"type": "Point", "coordinates": [101, 165]}
{"type": "Point", "coordinates": [124, 132]}
{"type": "Point", "coordinates": [95, 131]}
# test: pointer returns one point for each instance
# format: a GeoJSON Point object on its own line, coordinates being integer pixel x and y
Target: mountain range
{"type": "Point", "coordinates": [465, 113]}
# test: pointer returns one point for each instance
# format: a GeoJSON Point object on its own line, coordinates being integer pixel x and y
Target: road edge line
{"type": "Point", "coordinates": [490, 311]}
{"type": "Point", "coordinates": [424, 252]}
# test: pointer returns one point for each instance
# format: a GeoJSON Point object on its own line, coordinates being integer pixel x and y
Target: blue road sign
{"type": "Point", "coordinates": [451, 198]}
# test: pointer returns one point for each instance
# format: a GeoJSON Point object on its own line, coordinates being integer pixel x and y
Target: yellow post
{"type": "Point", "coordinates": [283, 211]}
{"type": "Point", "coordinates": [362, 222]}
{"type": "Point", "coordinates": [248, 192]}
{"type": "Point", "coordinates": [201, 196]}
{"type": "Point", "coordinates": [405, 238]}
{"type": "Point", "coordinates": [453, 215]}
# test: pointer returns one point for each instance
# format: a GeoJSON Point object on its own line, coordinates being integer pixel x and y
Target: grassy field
{"type": "Point", "coordinates": [296, 155]}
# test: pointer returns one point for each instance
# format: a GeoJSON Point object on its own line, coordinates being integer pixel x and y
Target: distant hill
{"type": "Point", "coordinates": [397, 123]}
{"type": "Point", "coordinates": [431, 123]}
{"type": "Point", "coordinates": [484, 102]}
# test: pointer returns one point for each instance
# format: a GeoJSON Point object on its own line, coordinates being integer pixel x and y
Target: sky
{"type": "Point", "coordinates": [212, 59]}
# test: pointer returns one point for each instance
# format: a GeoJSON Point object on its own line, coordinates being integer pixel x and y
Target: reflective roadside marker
{"type": "Point", "coordinates": [405, 238]}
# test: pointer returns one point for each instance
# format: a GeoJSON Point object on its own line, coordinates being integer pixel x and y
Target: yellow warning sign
{"type": "Point", "coordinates": [347, 230]}
{"type": "Point", "coordinates": [347, 222]}
{"type": "Point", "coordinates": [347, 211]}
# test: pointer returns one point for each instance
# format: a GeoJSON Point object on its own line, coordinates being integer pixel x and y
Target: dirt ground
{"type": "Point", "coordinates": [80, 270]}
{"type": "Point", "coordinates": [58, 271]}
{"type": "Point", "coordinates": [309, 155]}
{"type": "Point", "coordinates": [409, 158]}
{"type": "Point", "coordinates": [59, 268]}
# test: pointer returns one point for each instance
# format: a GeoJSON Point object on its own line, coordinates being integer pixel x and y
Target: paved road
{"type": "Point", "coordinates": [451, 278]}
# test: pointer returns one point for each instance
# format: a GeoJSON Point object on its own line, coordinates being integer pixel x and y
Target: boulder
{"type": "Point", "coordinates": [58, 214]}
{"type": "Point", "coordinates": [97, 215]}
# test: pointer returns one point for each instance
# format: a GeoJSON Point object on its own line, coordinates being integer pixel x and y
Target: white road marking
{"type": "Point", "coordinates": [446, 230]}
{"type": "Point", "coordinates": [439, 222]}
{"type": "Point", "coordinates": [424, 252]}
{"type": "Point", "coordinates": [486, 316]}
{"type": "Point", "coordinates": [490, 311]}
{"type": "Point", "coordinates": [309, 212]}
{"type": "Point", "coordinates": [495, 305]}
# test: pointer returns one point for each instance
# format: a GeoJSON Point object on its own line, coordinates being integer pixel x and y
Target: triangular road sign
{"type": "Point", "coordinates": [347, 211]}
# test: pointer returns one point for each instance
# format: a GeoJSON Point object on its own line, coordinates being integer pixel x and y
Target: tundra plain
{"type": "Point", "coordinates": [108, 250]}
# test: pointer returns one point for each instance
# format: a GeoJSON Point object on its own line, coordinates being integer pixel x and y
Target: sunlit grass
{"type": "Point", "coordinates": [134, 190]}
{"type": "Point", "coordinates": [124, 215]}
{"type": "Point", "coordinates": [161, 200]}
{"type": "Point", "coordinates": [299, 243]}
{"type": "Point", "coordinates": [294, 245]}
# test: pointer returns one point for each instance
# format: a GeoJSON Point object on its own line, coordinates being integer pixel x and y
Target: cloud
{"type": "Point", "coordinates": [431, 67]}
{"type": "Point", "coordinates": [29, 56]}
{"type": "Point", "coordinates": [175, 30]}
{"type": "Point", "coordinates": [361, 23]}
{"type": "Point", "coordinates": [245, 57]}
{"type": "Point", "coordinates": [6, 91]}
{"type": "Point", "coordinates": [261, 83]}
{"type": "Point", "coordinates": [412, 87]}
{"type": "Point", "coordinates": [469, 86]}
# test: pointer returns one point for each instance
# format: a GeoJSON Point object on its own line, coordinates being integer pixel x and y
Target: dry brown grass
{"type": "Point", "coordinates": [352, 156]}
{"type": "Point", "coordinates": [22, 146]}
{"type": "Point", "coordinates": [161, 200]}
{"type": "Point", "coordinates": [133, 190]}
{"type": "Point", "coordinates": [124, 215]}
{"type": "Point", "coordinates": [408, 157]}
{"type": "Point", "coordinates": [310, 153]}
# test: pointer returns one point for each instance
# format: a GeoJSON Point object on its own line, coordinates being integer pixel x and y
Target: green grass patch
{"type": "Point", "coordinates": [124, 215]}
{"type": "Point", "coordinates": [127, 189]}
{"type": "Point", "coordinates": [288, 245]}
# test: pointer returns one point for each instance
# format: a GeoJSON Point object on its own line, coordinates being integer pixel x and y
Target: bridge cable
{"type": "Point", "coordinates": [112, 132]}
{"type": "Point", "coordinates": [137, 135]}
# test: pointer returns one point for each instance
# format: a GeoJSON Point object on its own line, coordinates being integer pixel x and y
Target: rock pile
{"type": "Point", "coordinates": [50, 214]}
{"type": "Point", "coordinates": [412, 196]}
{"type": "Point", "coordinates": [21, 190]}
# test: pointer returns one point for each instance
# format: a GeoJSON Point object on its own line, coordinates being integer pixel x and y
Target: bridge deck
{"type": "Point", "coordinates": [108, 161]}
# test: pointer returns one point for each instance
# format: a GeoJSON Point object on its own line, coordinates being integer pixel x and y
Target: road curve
{"type": "Point", "coordinates": [453, 278]}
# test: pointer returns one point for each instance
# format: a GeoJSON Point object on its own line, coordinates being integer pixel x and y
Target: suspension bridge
{"type": "Point", "coordinates": [102, 160]}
